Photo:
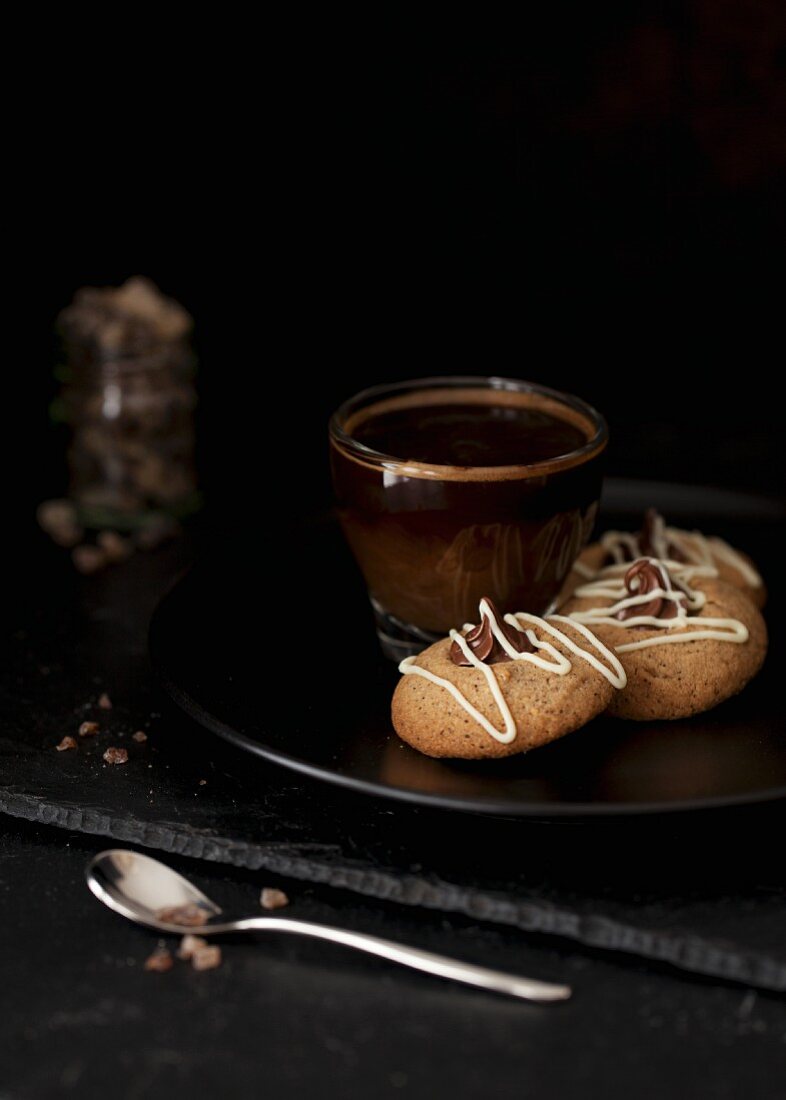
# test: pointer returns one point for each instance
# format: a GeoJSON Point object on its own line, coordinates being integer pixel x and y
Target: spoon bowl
{"type": "Point", "coordinates": [140, 888]}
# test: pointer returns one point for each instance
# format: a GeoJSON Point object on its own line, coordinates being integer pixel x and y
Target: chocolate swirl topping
{"type": "Point", "coordinates": [645, 576]}
{"type": "Point", "coordinates": [653, 540]}
{"type": "Point", "coordinates": [485, 646]}
{"type": "Point", "coordinates": [646, 535]}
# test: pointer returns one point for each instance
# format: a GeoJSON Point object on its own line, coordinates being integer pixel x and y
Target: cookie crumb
{"type": "Point", "coordinates": [139, 736]}
{"type": "Point", "coordinates": [189, 915]}
{"type": "Point", "coordinates": [189, 944]}
{"type": "Point", "coordinates": [88, 559]}
{"type": "Point", "coordinates": [104, 702]}
{"type": "Point", "coordinates": [67, 743]}
{"type": "Point", "coordinates": [271, 898]}
{"type": "Point", "coordinates": [161, 960]}
{"type": "Point", "coordinates": [116, 756]}
{"type": "Point", "coordinates": [206, 958]}
{"type": "Point", "coordinates": [202, 782]}
{"type": "Point", "coordinates": [89, 729]}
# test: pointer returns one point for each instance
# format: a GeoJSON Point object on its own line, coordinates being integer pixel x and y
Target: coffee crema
{"type": "Point", "coordinates": [447, 495]}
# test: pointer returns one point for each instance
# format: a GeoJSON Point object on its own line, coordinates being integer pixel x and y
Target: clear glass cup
{"type": "Point", "coordinates": [431, 540]}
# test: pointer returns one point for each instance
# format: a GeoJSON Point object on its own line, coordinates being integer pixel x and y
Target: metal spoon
{"type": "Point", "coordinates": [140, 888]}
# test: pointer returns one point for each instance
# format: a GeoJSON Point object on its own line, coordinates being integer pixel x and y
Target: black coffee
{"type": "Point", "coordinates": [480, 502]}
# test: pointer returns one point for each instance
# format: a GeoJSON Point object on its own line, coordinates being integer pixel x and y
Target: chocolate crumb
{"type": "Point", "coordinates": [161, 960]}
{"type": "Point", "coordinates": [139, 736]}
{"type": "Point", "coordinates": [88, 559]}
{"type": "Point", "coordinates": [59, 520]}
{"type": "Point", "coordinates": [55, 513]}
{"type": "Point", "coordinates": [158, 530]}
{"type": "Point", "coordinates": [114, 546]}
{"type": "Point", "coordinates": [67, 743]}
{"type": "Point", "coordinates": [189, 944]}
{"type": "Point", "coordinates": [189, 915]}
{"type": "Point", "coordinates": [89, 729]}
{"type": "Point", "coordinates": [116, 756]}
{"type": "Point", "coordinates": [206, 958]}
{"type": "Point", "coordinates": [104, 702]}
{"type": "Point", "coordinates": [270, 898]}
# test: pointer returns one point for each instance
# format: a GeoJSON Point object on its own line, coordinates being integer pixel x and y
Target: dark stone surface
{"type": "Point", "coordinates": [80, 1018]}
{"type": "Point", "coordinates": [297, 1019]}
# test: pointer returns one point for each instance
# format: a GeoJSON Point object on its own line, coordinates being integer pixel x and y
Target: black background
{"type": "Point", "coordinates": [593, 200]}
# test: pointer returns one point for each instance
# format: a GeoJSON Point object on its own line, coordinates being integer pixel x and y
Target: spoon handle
{"type": "Point", "coordinates": [527, 989]}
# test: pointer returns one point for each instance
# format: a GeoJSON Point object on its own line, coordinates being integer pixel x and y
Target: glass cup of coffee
{"type": "Point", "coordinates": [451, 489]}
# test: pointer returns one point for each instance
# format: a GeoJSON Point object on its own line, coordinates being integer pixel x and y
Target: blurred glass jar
{"type": "Point", "coordinates": [128, 397]}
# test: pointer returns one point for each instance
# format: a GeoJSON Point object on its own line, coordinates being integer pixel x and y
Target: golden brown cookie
{"type": "Point", "coordinates": [543, 704]}
{"type": "Point", "coordinates": [678, 679]}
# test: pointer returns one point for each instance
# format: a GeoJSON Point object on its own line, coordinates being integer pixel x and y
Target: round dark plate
{"type": "Point", "coordinates": [285, 664]}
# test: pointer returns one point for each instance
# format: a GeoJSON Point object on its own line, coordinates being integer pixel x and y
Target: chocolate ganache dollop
{"type": "Point", "coordinates": [646, 576]}
{"type": "Point", "coordinates": [484, 645]}
{"type": "Point", "coordinates": [653, 539]}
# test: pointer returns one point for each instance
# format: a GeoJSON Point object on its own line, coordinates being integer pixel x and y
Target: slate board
{"type": "Point", "coordinates": [705, 894]}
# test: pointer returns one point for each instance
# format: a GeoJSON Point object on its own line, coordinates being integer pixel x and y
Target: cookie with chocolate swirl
{"type": "Point", "coordinates": [685, 646]}
{"type": "Point", "coordinates": [505, 686]}
{"type": "Point", "coordinates": [691, 553]}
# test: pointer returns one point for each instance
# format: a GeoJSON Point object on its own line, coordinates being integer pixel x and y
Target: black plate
{"type": "Point", "coordinates": [287, 666]}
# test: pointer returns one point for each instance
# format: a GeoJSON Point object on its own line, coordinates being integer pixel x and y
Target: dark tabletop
{"type": "Point", "coordinates": [82, 1017]}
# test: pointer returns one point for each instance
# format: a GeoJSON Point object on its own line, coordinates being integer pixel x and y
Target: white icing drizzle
{"type": "Point", "coordinates": [724, 552]}
{"type": "Point", "coordinates": [719, 630]}
{"type": "Point", "coordinates": [583, 570]}
{"type": "Point", "coordinates": [559, 664]}
{"type": "Point", "coordinates": [615, 542]}
{"type": "Point", "coordinates": [616, 675]}
{"type": "Point", "coordinates": [697, 549]}
{"type": "Point", "coordinates": [612, 587]}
